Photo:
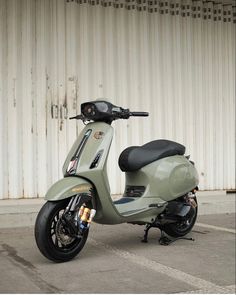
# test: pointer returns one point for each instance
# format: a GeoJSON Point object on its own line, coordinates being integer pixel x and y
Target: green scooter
{"type": "Point", "coordinates": [160, 187]}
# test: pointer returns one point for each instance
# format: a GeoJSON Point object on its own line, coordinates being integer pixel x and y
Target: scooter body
{"type": "Point", "coordinates": [154, 185]}
{"type": "Point", "coordinates": [159, 190]}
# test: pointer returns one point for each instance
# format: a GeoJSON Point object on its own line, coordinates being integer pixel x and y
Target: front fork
{"type": "Point", "coordinates": [78, 214]}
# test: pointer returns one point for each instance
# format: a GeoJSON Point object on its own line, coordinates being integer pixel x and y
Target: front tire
{"type": "Point", "coordinates": [51, 237]}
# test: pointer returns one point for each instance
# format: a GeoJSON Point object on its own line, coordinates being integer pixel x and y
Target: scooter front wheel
{"type": "Point", "coordinates": [52, 238]}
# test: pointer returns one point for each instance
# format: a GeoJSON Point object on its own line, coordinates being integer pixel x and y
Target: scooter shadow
{"type": "Point", "coordinates": [129, 237]}
{"type": "Point", "coordinates": [124, 236]}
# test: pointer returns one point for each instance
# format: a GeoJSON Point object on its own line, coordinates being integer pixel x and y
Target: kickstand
{"type": "Point", "coordinates": [165, 241]}
{"type": "Point", "coordinates": [145, 240]}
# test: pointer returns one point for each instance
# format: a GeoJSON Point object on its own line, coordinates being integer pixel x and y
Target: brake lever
{"type": "Point", "coordinates": [78, 117]}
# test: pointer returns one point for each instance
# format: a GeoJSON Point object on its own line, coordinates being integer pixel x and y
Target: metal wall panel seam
{"type": "Point", "coordinates": [92, 94]}
{"type": "Point", "coordinates": [211, 105]}
{"type": "Point", "coordinates": [1, 99]}
{"type": "Point", "coordinates": [137, 30]}
{"type": "Point", "coordinates": [233, 65]}
{"type": "Point", "coordinates": [53, 148]}
{"type": "Point", "coordinates": [233, 93]}
{"type": "Point", "coordinates": [165, 76]}
{"type": "Point", "coordinates": [225, 98]}
{"type": "Point", "coordinates": [161, 77]}
{"type": "Point", "coordinates": [145, 69]}
{"type": "Point", "coordinates": [203, 183]}
{"type": "Point", "coordinates": [224, 66]}
{"type": "Point", "coordinates": [40, 97]}
{"type": "Point", "coordinates": [12, 134]}
{"type": "Point", "coordinates": [61, 76]}
{"type": "Point", "coordinates": [34, 176]}
{"type": "Point", "coordinates": [133, 79]}
{"type": "Point", "coordinates": [177, 75]}
{"type": "Point", "coordinates": [214, 97]}
{"type": "Point", "coordinates": [28, 106]}
{"type": "Point", "coordinates": [47, 43]}
{"type": "Point", "coordinates": [98, 39]}
{"type": "Point", "coordinates": [192, 94]}
{"type": "Point", "coordinates": [184, 85]}
{"type": "Point", "coordinates": [218, 130]}
{"type": "Point", "coordinates": [198, 91]}
{"type": "Point", "coordinates": [3, 73]}
{"type": "Point", "coordinates": [156, 112]}
{"type": "Point", "coordinates": [170, 101]}
{"type": "Point", "coordinates": [84, 80]}
{"type": "Point", "coordinates": [229, 127]}
{"type": "Point", "coordinates": [19, 98]}
{"type": "Point", "coordinates": [190, 71]}
{"type": "Point", "coordinates": [231, 72]}
{"type": "Point", "coordinates": [154, 118]}
{"type": "Point", "coordinates": [207, 98]}
{"type": "Point", "coordinates": [72, 55]}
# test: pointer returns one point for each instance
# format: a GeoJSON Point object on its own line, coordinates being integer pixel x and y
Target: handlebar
{"type": "Point", "coordinates": [125, 114]}
{"type": "Point", "coordinates": [139, 114]}
{"type": "Point", "coordinates": [118, 113]}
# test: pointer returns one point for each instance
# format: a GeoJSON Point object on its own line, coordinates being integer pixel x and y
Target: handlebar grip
{"type": "Point", "coordinates": [139, 114]}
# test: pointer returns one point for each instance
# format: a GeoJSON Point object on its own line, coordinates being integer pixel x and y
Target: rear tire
{"type": "Point", "coordinates": [182, 228]}
{"type": "Point", "coordinates": [51, 237]}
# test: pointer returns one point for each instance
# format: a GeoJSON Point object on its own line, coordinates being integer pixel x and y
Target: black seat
{"type": "Point", "coordinates": [135, 157]}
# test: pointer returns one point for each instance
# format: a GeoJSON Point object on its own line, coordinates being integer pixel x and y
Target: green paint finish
{"type": "Point", "coordinates": [67, 187]}
{"type": "Point", "coordinates": [107, 212]}
{"type": "Point", "coordinates": [165, 180]}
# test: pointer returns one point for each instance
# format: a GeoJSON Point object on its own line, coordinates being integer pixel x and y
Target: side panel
{"type": "Point", "coordinates": [168, 178]}
{"type": "Point", "coordinates": [99, 141]}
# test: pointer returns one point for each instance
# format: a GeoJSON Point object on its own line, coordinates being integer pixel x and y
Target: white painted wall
{"type": "Point", "coordinates": [175, 59]}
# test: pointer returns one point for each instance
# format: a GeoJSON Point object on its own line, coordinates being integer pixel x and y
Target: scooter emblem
{"type": "Point", "coordinates": [98, 135]}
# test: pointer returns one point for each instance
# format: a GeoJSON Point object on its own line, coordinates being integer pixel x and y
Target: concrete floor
{"type": "Point", "coordinates": [115, 261]}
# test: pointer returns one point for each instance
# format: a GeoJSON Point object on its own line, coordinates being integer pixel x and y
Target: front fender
{"type": "Point", "coordinates": [67, 187]}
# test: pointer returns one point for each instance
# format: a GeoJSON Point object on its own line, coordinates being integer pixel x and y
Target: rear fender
{"type": "Point", "coordinates": [68, 187]}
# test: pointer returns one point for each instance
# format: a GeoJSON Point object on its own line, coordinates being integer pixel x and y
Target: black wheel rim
{"type": "Point", "coordinates": [61, 240]}
{"type": "Point", "coordinates": [185, 225]}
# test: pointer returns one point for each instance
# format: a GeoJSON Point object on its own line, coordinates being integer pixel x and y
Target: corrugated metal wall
{"type": "Point", "coordinates": [175, 59]}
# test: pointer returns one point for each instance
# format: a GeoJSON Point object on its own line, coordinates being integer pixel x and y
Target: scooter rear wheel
{"type": "Point", "coordinates": [180, 229]}
{"type": "Point", "coordinates": [51, 236]}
